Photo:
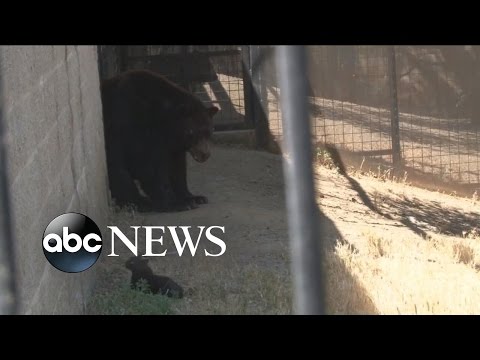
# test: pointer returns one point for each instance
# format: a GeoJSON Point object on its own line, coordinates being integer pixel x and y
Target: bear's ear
{"type": "Point", "coordinates": [212, 110]}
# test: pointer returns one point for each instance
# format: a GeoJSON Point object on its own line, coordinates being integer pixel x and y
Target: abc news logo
{"type": "Point", "coordinates": [72, 242]}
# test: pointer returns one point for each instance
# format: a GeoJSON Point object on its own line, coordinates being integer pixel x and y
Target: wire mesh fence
{"type": "Point", "coordinates": [351, 98]}
{"type": "Point", "coordinates": [438, 117]}
{"type": "Point", "coordinates": [213, 73]}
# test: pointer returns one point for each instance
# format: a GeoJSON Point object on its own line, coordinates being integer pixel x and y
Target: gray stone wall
{"type": "Point", "coordinates": [56, 163]}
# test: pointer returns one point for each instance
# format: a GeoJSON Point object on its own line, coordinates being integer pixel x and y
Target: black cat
{"type": "Point", "coordinates": [158, 284]}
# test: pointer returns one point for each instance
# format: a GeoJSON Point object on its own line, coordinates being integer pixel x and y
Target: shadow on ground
{"type": "Point", "coordinates": [425, 216]}
{"type": "Point", "coordinates": [246, 194]}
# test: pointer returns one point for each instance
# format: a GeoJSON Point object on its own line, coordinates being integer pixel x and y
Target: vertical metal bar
{"type": "Point", "coordinates": [395, 120]}
{"type": "Point", "coordinates": [7, 278]}
{"type": "Point", "coordinates": [100, 61]}
{"type": "Point", "coordinates": [247, 87]}
{"type": "Point", "coordinates": [262, 132]}
{"type": "Point", "coordinates": [121, 52]}
{"type": "Point", "coordinates": [302, 210]}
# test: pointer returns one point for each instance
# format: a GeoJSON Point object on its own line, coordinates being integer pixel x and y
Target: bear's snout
{"type": "Point", "coordinates": [200, 157]}
{"type": "Point", "coordinates": [201, 151]}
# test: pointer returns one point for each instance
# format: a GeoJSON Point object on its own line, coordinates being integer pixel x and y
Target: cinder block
{"type": "Point", "coordinates": [18, 72]}
{"type": "Point", "coordinates": [50, 158]}
{"type": "Point", "coordinates": [50, 106]}
{"type": "Point", "coordinates": [44, 60]}
{"type": "Point", "coordinates": [61, 88]}
{"type": "Point", "coordinates": [65, 132]}
{"type": "Point", "coordinates": [66, 184]}
{"type": "Point", "coordinates": [28, 193]}
{"type": "Point", "coordinates": [74, 204]}
{"type": "Point", "coordinates": [73, 295]}
{"type": "Point", "coordinates": [57, 162]}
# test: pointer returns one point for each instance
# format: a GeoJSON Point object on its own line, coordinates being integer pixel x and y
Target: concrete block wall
{"type": "Point", "coordinates": [56, 160]}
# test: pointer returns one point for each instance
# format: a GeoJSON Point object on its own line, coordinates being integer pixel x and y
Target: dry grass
{"type": "Point", "coordinates": [237, 291]}
{"type": "Point", "coordinates": [405, 275]}
{"type": "Point", "coordinates": [123, 300]}
{"type": "Point", "coordinates": [384, 265]}
{"type": "Point", "coordinates": [392, 270]}
{"type": "Point", "coordinates": [212, 285]}
{"type": "Point", "coordinates": [373, 265]}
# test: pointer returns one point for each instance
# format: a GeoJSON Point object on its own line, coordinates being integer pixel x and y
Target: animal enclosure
{"type": "Point", "coordinates": [391, 112]}
{"type": "Point", "coordinates": [361, 96]}
{"type": "Point", "coordinates": [403, 109]}
{"type": "Point", "coordinates": [213, 73]}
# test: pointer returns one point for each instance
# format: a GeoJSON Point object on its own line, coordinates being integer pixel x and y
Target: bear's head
{"type": "Point", "coordinates": [198, 132]}
{"type": "Point", "coordinates": [136, 264]}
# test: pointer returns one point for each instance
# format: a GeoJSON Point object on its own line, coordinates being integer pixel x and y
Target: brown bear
{"type": "Point", "coordinates": [150, 124]}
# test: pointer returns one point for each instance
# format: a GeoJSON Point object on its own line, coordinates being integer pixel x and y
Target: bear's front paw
{"type": "Point", "coordinates": [186, 205]}
{"type": "Point", "coordinates": [144, 206]}
{"type": "Point", "coordinates": [199, 199]}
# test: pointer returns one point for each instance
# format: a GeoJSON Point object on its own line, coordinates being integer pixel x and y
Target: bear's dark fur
{"type": "Point", "coordinates": [157, 284]}
{"type": "Point", "coordinates": [150, 123]}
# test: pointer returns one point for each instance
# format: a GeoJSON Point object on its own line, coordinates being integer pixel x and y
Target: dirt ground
{"type": "Point", "coordinates": [391, 248]}
{"type": "Point", "coordinates": [245, 192]}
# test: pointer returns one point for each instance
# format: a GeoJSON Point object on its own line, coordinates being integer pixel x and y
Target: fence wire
{"type": "Point", "coordinates": [350, 103]}
{"type": "Point", "coordinates": [350, 100]}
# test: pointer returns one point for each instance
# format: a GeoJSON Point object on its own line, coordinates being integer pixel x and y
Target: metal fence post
{"type": "Point", "coordinates": [259, 98]}
{"type": "Point", "coordinates": [121, 58]}
{"type": "Point", "coordinates": [7, 278]}
{"type": "Point", "coordinates": [395, 120]}
{"type": "Point", "coordinates": [247, 87]}
{"type": "Point", "coordinates": [302, 210]}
